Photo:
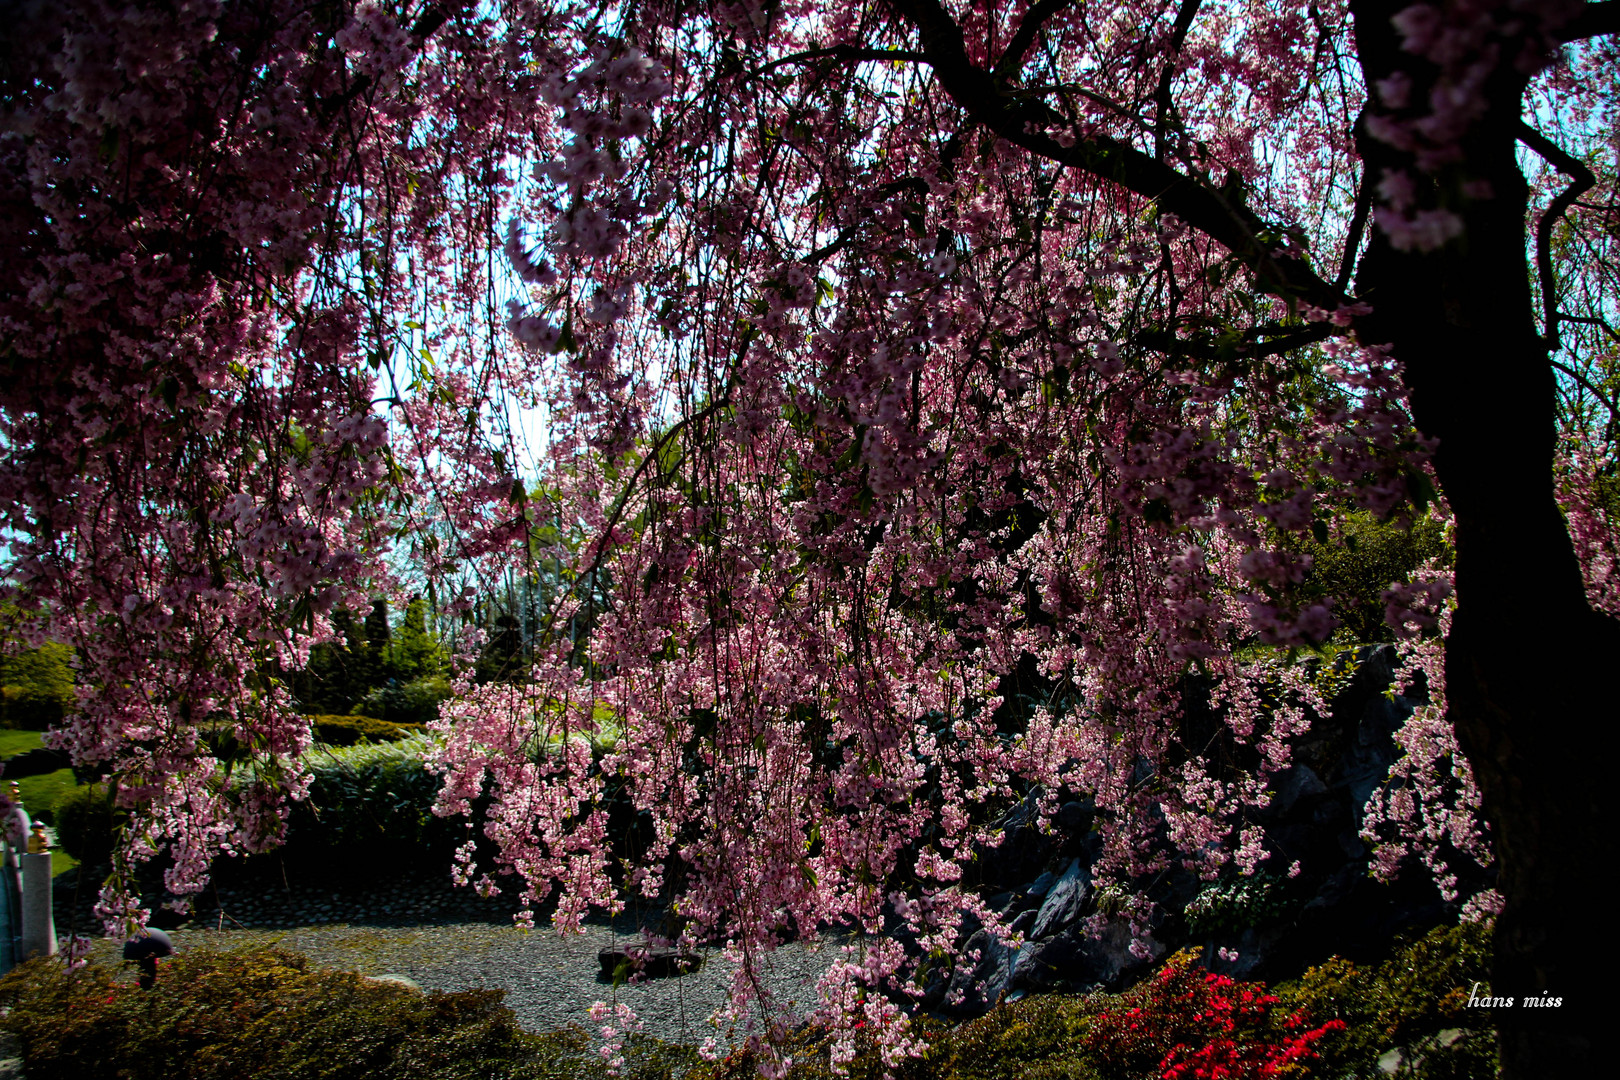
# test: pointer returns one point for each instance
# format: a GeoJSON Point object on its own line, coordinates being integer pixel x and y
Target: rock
{"type": "Point", "coordinates": [11, 1056]}
{"type": "Point", "coordinates": [1074, 818]}
{"type": "Point", "coordinates": [975, 991]}
{"type": "Point", "coordinates": [637, 958]}
{"type": "Point", "coordinates": [1297, 782]}
{"type": "Point", "coordinates": [1076, 961]}
{"type": "Point", "coordinates": [1064, 901]}
{"type": "Point", "coordinates": [393, 980]}
{"type": "Point", "coordinates": [1023, 851]}
{"type": "Point", "coordinates": [1041, 885]}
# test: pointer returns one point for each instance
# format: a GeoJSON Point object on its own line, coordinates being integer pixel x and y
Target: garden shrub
{"type": "Point", "coordinates": [87, 823]}
{"type": "Point", "coordinates": [348, 730]}
{"type": "Point", "coordinates": [1364, 559]}
{"type": "Point", "coordinates": [1187, 1023]}
{"type": "Point", "coordinates": [411, 704]}
{"type": "Point", "coordinates": [36, 686]}
{"type": "Point", "coordinates": [369, 805]}
{"type": "Point", "coordinates": [1415, 1002]}
{"type": "Point", "coordinates": [269, 1013]}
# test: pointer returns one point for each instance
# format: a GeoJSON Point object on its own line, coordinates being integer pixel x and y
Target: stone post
{"type": "Point", "coordinates": [38, 923]}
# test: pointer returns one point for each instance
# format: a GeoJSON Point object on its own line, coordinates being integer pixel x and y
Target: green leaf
{"type": "Point", "coordinates": [566, 341]}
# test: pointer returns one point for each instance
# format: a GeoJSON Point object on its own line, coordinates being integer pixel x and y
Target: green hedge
{"type": "Point", "coordinates": [267, 1013]}
{"type": "Point", "coordinates": [370, 804]}
{"type": "Point", "coordinates": [1415, 1003]}
{"type": "Point", "coordinates": [86, 822]}
{"type": "Point", "coordinates": [348, 730]}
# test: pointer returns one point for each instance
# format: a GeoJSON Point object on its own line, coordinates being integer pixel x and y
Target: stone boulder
{"type": "Point", "coordinates": [1064, 902]}
{"type": "Point", "coordinates": [1076, 960]}
{"type": "Point", "coordinates": [633, 959]}
{"type": "Point", "coordinates": [975, 987]}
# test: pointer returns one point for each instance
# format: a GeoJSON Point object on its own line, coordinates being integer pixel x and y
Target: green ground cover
{"type": "Point", "coordinates": [40, 794]}
{"type": "Point", "coordinates": [13, 743]}
{"type": "Point", "coordinates": [265, 1012]}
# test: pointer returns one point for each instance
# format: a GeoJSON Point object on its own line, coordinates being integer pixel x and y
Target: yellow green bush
{"type": "Point", "coordinates": [348, 730]}
{"type": "Point", "coordinates": [266, 1013]}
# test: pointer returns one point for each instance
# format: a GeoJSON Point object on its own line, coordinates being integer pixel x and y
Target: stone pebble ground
{"type": "Point", "coordinates": [448, 939]}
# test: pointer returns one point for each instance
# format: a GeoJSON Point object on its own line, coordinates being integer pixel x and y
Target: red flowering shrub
{"type": "Point", "coordinates": [1190, 1024]}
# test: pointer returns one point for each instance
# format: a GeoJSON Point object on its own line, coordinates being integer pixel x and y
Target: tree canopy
{"type": "Point", "coordinates": [902, 399]}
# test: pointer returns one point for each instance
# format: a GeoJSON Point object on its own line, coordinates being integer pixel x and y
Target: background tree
{"type": "Point", "coordinates": [374, 671]}
{"type": "Point", "coordinates": [36, 686]}
{"type": "Point", "coordinates": [886, 350]}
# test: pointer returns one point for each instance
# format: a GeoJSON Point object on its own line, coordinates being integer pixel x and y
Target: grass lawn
{"type": "Point", "coordinates": [16, 742]}
{"type": "Point", "coordinates": [40, 794]}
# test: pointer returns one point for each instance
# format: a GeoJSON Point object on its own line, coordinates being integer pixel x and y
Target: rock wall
{"type": "Point", "coordinates": [1275, 925]}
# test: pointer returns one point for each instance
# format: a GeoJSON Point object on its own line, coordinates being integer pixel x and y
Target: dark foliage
{"type": "Point", "coordinates": [268, 1013]}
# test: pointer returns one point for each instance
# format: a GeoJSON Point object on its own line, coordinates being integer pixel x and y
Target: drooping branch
{"type": "Point", "coordinates": [1025, 123]}
{"type": "Point", "coordinates": [844, 54]}
{"type": "Point", "coordinates": [425, 27]}
{"type": "Point", "coordinates": [1581, 179]}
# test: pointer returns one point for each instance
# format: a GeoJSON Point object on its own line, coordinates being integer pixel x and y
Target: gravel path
{"type": "Point", "coordinates": [550, 980]}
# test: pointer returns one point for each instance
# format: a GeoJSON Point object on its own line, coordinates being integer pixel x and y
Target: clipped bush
{"type": "Point", "coordinates": [370, 808]}
{"type": "Point", "coordinates": [87, 823]}
{"type": "Point", "coordinates": [270, 1013]}
{"type": "Point", "coordinates": [412, 704]}
{"type": "Point", "coordinates": [348, 730]}
{"type": "Point", "coordinates": [1186, 1022]}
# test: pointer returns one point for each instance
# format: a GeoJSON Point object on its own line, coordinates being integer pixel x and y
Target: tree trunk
{"type": "Point", "coordinates": [1528, 670]}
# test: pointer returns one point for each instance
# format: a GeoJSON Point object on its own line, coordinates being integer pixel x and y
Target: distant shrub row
{"type": "Point", "coordinates": [348, 730]}
{"type": "Point", "coordinates": [370, 805]}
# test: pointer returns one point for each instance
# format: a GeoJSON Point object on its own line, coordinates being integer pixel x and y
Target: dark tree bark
{"type": "Point", "coordinates": [1529, 664]}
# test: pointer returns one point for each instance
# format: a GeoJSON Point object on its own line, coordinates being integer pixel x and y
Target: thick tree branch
{"type": "Point", "coordinates": [1261, 341]}
{"type": "Point", "coordinates": [1024, 124]}
{"type": "Point", "coordinates": [1595, 20]}
{"type": "Point", "coordinates": [1358, 225]}
{"type": "Point", "coordinates": [848, 54]}
{"type": "Point", "coordinates": [1581, 178]}
{"type": "Point", "coordinates": [1607, 401]}
{"type": "Point", "coordinates": [1587, 320]}
{"type": "Point", "coordinates": [1164, 106]}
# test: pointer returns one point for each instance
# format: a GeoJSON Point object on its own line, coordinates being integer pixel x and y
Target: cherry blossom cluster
{"type": "Point", "coordinates": [883, 456]}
